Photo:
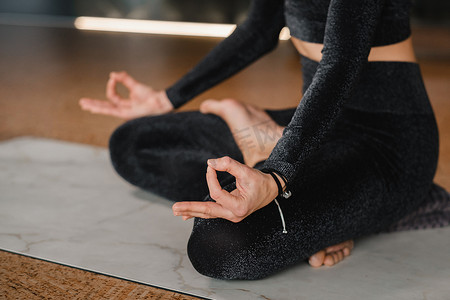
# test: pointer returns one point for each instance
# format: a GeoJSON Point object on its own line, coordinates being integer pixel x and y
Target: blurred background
{"type": "Point", "coordinates": [436, 12]}
{"type": "Point", "coordinates": [214, 11]}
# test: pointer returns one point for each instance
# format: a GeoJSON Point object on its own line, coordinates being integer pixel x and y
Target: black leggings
{"type": "Point", "coordinates": [376, 166]}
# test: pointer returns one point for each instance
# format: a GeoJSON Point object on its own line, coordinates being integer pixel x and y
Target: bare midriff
{"type": "Point", "coordinates": [401, 51]}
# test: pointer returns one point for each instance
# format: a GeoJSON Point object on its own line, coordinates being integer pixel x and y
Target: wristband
{"type": "Point", "coordinates": [281, 193]}
{"type": "Point", "coordinates": [285, 194]}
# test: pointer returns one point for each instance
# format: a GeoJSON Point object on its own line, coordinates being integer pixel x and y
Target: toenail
{"type": "Point", "coordinates": [313, 260]}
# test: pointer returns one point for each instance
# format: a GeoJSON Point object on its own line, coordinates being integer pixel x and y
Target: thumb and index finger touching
{"type": "Point", "coordinates": [109, 107]}
{"type": "Point", "coordinates": [224, 164]}
{"type": "Point", "coordinates": [115, 78]}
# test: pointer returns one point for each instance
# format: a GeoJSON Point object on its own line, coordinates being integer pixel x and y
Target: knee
{"type": "Point", "coordinates": [118, 145]}
{"type": "Point", "coordinates": [123, 145]}
{"type": "Point", "coordinates": [211, 261]}
{"type": "Point", "coordinates": [121, 141]}
{"type": "Point", "coordinates": [218, 255]}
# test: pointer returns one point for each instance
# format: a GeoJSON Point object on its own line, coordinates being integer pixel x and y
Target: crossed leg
{"type": "Point", "coordinates": [261, 137]}
{"type": "Point", "coordinates": [167, 154]}
{"type": "Point", "coordinates": [340, 199]}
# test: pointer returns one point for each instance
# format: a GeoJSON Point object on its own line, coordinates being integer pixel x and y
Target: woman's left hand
{"type": "Point", "coordinates": [254, 190]}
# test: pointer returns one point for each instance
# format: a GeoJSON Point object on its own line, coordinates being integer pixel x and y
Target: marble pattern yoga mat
{"type": "Point", "coordinates": [64, 203]}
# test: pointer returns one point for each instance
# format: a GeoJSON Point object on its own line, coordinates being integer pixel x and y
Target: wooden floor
{"type": "Point", "coordinates": [44, 71]}
{"type": "Point", "coordinates": [23, 277]}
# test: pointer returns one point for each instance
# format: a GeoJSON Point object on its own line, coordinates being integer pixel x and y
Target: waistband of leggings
{"type": "Point", "coordinates": [383, 86]}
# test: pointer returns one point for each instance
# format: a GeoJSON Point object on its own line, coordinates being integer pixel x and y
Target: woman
{"type": "Point", "coordinates": [357, 154]}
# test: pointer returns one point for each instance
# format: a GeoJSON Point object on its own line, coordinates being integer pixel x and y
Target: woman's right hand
{"type": "Point", "coordinates": [142, 100]}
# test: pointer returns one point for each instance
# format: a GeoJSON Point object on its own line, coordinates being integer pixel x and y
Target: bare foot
{"type": "Point", "coordinates": [331, 255]}
{"type": "Point", "coordinates": [255, 133]}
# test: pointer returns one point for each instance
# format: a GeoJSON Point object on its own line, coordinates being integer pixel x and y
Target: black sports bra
{"type": "Point", "coordinates": [306, 20]}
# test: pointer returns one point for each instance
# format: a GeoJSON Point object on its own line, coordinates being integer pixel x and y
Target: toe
{"type": "Point", "coordinates": [340, 255]}
{"type": "Point", "coordinates": [317, 259]}
{"type": "Point", "coordinates": [329, 260]}
{"type": "Point", "coordinates": [336, 253]}
{"type": "Point", "coordinates": [338, 247]}
{"type": "Point", "coordinates": [336, 257]}
{"type": "Point", "coordinates": [333, 258]}
{"type": "Point", "coordinates": [350, 244]}
{"type": "Point", "coordinates": [346, 251]}
{"type": "Point", "coordinates": [210, 107]}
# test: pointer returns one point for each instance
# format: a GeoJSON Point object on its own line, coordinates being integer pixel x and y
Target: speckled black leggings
{"type": "Point", "coordinates": [376, 166]}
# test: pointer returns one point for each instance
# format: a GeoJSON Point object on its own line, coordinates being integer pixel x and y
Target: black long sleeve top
{"type": "Point", "coordinates": [347, 28]}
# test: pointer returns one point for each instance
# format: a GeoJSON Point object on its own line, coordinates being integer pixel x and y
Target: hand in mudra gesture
{"type": "Point", "coordinates": [254, 190]}
{"type": "Point", "coordinates": [142, 99]}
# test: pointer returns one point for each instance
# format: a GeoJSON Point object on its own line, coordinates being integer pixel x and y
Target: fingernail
{"type": "Point", "coordinates": [212, 162]}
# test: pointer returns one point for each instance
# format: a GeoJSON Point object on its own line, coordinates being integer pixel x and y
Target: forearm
{"type": "Point", "coordinates": [347, 42]}
{"type": "Point", "coordinates": [252, 39]}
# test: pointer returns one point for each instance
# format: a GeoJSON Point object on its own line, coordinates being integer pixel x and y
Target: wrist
{"type": "Point", "coordinates": [280, 182]}
{"type": "Point", "coordinates": [272, 186]}
{"type": "Point", "coordinates": [164, 102]}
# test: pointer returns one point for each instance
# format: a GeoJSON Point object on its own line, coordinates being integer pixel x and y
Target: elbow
{"type": "Point", "coordinates": [260, 36]}
{"type": "Point", "coordinates": [273, 43]}
{"type": "Point", "coordinates": [267, 43]}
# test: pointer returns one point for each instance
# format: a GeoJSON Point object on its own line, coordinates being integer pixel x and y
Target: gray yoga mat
{"type": "Point", "coordinates": [63, 202]}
